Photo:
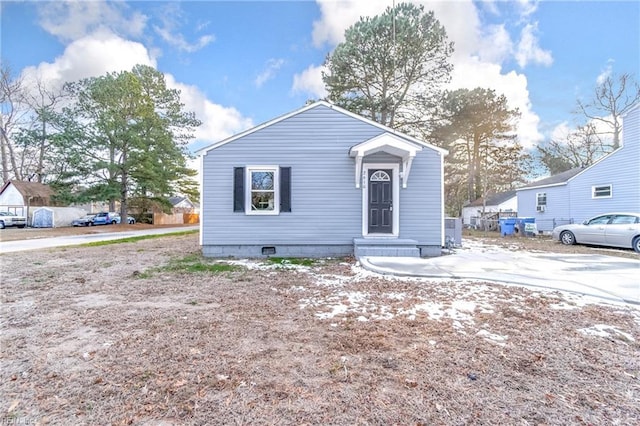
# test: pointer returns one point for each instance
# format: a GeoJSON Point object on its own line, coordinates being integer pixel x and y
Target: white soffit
{"type": "Point", "coordinates": [390, 144]}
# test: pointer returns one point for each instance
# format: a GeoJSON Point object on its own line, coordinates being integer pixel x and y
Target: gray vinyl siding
{"type": "Point", "coordinates": [326, 205]}
{"type": "Point", "coordinates": [573, 201]}
{"type": "Point", "coordinates": [557, 210]}
{"type": "Point", "coordinates": [621, 170]}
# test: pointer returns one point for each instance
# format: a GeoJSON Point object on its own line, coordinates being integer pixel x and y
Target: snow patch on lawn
{"type": "Point", "coordinates": [603, 330]}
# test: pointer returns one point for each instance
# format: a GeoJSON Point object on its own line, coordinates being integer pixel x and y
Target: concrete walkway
{"type": "Point", "coordinates": [73, 240]}
{"type": "Point", "coordinates": [606, 277]}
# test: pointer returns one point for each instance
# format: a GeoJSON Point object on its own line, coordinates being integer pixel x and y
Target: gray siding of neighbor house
{"type": "Point", "coordinates": [326, 206]}
{"type": "Point", "coordinates": [557, 210]}
{"type": "Point", "coordinates": [620, 169]}
{"type": "Point", "coordinates": [573, 201]}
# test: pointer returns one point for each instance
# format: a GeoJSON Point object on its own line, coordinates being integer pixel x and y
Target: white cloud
{"type": "Point", "coordinates": [172, 19]}
{"type": "Point", "coordinates": [529, 50]}
{"type": "Point", "coordinates": [606, 72]}
{"type": "Point", "coordinates": [72, 20]}
{"type": "Point", "coordinates": [104, 52]}
{"type": "Point", "coordinates": [91, 56]}
{"type": "Point", "coordinates": [218, 122]}
{"type": "Point", "coordinates": [475, 73]}
{"type": "Point", "coordinates": [310, 82]}
{"type": "Point", "coordinates": [272, 67]}
{"type": "Point", "coordinates": [495, 45]}
{"type": "Point", "coordinates": [527, 7]}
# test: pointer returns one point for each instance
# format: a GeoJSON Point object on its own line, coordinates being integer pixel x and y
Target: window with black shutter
{"type": "Point", "coordinates": [262, 190]}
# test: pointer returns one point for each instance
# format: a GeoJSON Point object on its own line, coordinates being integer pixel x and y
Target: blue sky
{"type": "Point", "coordinates": [241, 63]}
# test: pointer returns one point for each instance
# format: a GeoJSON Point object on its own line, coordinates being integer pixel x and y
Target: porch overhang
{"type": "Point", "coordinates": [390, 144]}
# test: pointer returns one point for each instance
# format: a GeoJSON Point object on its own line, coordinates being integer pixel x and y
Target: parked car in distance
{"type": "Point", "coordinates": [117, 219]}
{"type": "Point", "coordinates": [609, 229]}
{"type": "Point", "coordinates": [104, 218]}
{"type": "Point", "coordinates": [83, 221]}
{"type": "Point", "coordinates": [12, 219]}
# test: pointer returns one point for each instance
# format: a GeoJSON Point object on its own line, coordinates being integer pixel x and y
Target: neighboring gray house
{"type": "Point", "coordinates": [321, 181]}
{"type": "Point", "coordinates": [610, 184]}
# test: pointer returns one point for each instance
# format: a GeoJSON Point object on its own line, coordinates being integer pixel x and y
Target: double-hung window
{"type": "Point", "coordinates": [262, 196]}
{"type": "Point", "coordinates": [541, 201]}
{"type": "Point", "coordinates": [262, 190]}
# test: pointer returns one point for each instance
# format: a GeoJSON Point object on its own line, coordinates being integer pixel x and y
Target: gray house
{"type": "Point", "coordinates": [321, 181]}
{"type": "Point", "coordinates": [612, 184]}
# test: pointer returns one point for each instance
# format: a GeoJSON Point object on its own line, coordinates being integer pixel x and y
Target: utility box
{"type": "Point", "coordinates": [453, 230]}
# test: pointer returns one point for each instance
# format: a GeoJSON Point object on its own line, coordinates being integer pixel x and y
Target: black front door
{"type": "Point", "coordinates": [380, 202]}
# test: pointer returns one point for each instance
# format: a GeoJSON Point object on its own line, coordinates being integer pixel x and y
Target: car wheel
{"type": "Point", "coordinates": [1, 224]}
{"type": "Point", "coordinates": [21, 226]}
{"type": "Point", "coordinates": [567, 238]}
{"type": "Point", "coordinates": [131, 222]}
{"type": "Point", "coordinates": [90, 224]}
{"type": "Point", "coordinates": [636, 244]}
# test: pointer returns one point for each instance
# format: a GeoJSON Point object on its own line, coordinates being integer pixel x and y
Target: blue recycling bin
{"type": "Point", "coordinates": [507, 226]}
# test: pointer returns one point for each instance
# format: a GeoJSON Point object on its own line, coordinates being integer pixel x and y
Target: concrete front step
{"type": "Point", "coordinates": [391, 247]}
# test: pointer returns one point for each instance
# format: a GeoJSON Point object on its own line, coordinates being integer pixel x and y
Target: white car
{"type": "Point", "coordinates": [610, 229]}
{"type": "Point", "coordinates": [117, 219]}
{"type": "Point", "coordinates": [11, 219]}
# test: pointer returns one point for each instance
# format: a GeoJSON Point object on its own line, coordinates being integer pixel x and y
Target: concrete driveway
{"type": "Point", "coordinates": [605, 277]}
{"type": "Point", "coordinates": [73, 240]}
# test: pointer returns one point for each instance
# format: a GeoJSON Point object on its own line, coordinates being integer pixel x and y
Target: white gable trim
{"type": "Point", "coordinates": [205, 150]}
{"type": "Point", "coordinates": [390, 144]}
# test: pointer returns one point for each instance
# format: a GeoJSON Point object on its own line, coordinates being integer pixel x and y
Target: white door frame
{"type": "Point", "coordinates": [395, 170]}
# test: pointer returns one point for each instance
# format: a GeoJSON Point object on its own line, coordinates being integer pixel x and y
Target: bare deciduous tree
{"type": "Point", "coordinates": [613, 97]}
{"type": "Point", "coordinates": [581, 148]}
{"type": "Point", "coordinates": [12, 113]}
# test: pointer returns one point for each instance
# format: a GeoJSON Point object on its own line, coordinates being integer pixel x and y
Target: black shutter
{"type": "Point", "coordinates": [238, 189]}
{"type": "Point", "coordinates": [285, 189]}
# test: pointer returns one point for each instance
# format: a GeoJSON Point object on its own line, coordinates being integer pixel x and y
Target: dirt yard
{"type": "Point", "coordinates": [150, 333]}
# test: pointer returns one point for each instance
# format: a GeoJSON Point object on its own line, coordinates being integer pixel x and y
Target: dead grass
{"type": "Point", "coordinates": [151, 333]}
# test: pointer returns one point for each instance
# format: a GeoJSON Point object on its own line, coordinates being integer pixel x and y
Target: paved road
{"type": "Point", "coordinates": [605, 277]}
{"type": "Point", "coordinates": [72, 240]}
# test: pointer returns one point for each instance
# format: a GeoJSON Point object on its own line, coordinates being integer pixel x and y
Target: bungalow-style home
{"type": "Point", "coordinates": [610, 184]}
{"type": "Point", "coordinates": [182, 204]}
{"type": "Point", "coordinates": [321, 181]}
{"type": "Point", "coordinates": [20, 197]}
{"type": "Point", "coordinates": [498, 203]}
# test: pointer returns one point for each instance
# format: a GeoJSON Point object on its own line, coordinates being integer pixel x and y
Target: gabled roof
{"type": "Point", "coordinates": [496, 200]}
{"type": "Point", "coordinates": [178, 199]}
{"type": "Point", "coordinates": [315, 105]}
{"type": "Point", "coordinates": [555, 180]}
{"type": "Point", "coordinates": [30, 189]}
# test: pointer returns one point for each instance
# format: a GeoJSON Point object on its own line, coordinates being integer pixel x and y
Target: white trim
{"type": "Point", "coordinates": [442, 208]}
{"type": "Point", "coordinates": [276, 190]}
{"type": "Point", "coordinates": [202, 200]}
{"type": "Point", "coordinates": [390, 144]}
{"type": "Point", "coordinates": [538, 201]}
{"type": "Point", "coordinates": [593, 191]}
{"type": "Point", "coordinates": [395, 228]}
{"type": "Point", "coordinates": [205, 150]}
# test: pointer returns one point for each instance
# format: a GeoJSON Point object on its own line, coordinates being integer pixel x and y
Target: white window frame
{"type": "Point", "coordinates": [276, 190]}
{"type": "Point", "coordinates": [395, 175]}
{"type": "Point", "coordinates": [595, 187]}
{"type": "Point", "coordinates": [538, 194]}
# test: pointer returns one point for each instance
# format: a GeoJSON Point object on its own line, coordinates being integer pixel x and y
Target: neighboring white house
{"type": "Point", "coordinates": [611, 184]}
{"type": "Point", "coordinates": [20, 197]}
{"type": "Point", "coordinates": [501, 202]}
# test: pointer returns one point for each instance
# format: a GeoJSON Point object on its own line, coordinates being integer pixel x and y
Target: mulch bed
{"type": "Point", "coordinates": [150, 333]}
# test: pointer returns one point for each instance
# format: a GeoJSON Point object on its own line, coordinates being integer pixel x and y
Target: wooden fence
{"type": "Point", "coordinates": [175, 219]}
